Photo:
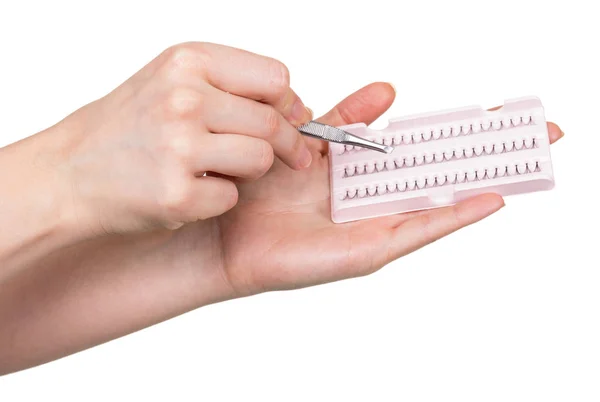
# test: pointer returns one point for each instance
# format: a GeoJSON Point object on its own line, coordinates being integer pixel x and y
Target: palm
{"type": "Point", "coordinates": [280, 234]}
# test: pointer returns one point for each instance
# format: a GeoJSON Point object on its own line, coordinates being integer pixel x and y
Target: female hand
{"type": "Point", "coordinates": [136, 159]}
{"type": "Point", "coordinates": [279, 236]}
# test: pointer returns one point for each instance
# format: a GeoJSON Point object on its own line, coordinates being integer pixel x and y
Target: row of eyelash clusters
{"type": "Point", "coordinates": [442, 179]}
{"type": "Point", "coordinates": [450, 131]}
{"type": "Point", "coordinates": [441, 158]}
{"type": "Point", "coordinates": [438, 156]}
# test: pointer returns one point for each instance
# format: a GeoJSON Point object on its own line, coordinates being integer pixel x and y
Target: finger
{"type": "Point", "coordinates": [554, 132]}
{"type": "Point", "coordinates": [242, 73]}
{"type": "Point", "coordinates": [235, 155]}
{"type": "Point", "coordinates": [426, 228]}
{"type": "Point", "coordinates": [234, 114]}
{"type": "Point", "coordinates": [211, 196]}
{"type": "Point", "coordinates": [363, 106]}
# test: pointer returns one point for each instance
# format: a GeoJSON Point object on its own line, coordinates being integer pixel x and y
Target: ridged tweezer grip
{"type": "Point", "coordinates": [334, 134]}
{"type": "Point", "coordinates": [324, 132]}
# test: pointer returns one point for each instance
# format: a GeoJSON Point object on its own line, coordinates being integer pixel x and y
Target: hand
{"type": "Point", "coordinates": [139, 155]}
{"type": "Point", "coordinates": [278, 236]}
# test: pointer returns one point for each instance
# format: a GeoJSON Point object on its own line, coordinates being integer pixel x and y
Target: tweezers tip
{"type": "Point", "coordinates": [388, 149]}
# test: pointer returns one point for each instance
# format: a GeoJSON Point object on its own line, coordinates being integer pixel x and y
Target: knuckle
{"type": "Point", "coordinates": [425, 223]}
{"type": "Point", "coordinates": [177, 57]}
{"type": "Point", "coordinates": [456, 216]}
{"type": "Point", "coordinates": [184, 58]}
{"type": "Point", "coordinates": [264, 158]}
{"type": "Point", "coordinates": [279, 76]}
{"type": "Point", "coordinates": [230, 195]}
{"type": "Point", "coordinates": [298, 145]}
{"type": "Point", "coordinates": [177, 201]}
{"type": "Point", "coordinates": [225, 194]}
{"type": "Point", "coordinates": [182, 103]}
{"type": "Point", "coordinates": [272, 122]}
{"type": "Point", "coordinates": [179, 146]}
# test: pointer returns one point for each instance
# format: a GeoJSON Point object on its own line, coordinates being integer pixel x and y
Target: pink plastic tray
{"type": "Point", "coordinates": [441, 158]}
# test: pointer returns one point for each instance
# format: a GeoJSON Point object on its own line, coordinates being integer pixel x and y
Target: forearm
{"type": "Point", "coordinates": [103, 289]}
{"type": "Point", "coordinates": [37, 215]}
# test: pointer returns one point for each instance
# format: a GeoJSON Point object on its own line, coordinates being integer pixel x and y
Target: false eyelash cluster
{"type": "Point", "coordinates": [454, 130]}
{"type": "Point", "coordinates": [442, 179]}
{"type": "Point", "coordinates": [439, 156]}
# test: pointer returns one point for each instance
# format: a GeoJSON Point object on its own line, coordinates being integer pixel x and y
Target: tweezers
{"type": "Point", "coordinates": [334, 134]}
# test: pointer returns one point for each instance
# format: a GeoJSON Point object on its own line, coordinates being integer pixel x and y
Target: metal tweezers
{"type": "Point", "coordinates": [334, 134]}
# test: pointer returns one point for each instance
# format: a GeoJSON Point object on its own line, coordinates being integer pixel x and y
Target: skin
{"type": "Point", "coordinates": [115, 263]}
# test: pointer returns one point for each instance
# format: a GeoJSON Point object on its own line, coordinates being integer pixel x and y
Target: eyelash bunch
{"type": "Point", "coordinates": [438, 157]}
{"type": "Point", "coordinates": [448, 131]}
{"type": "Point", "coordinates": [442, 179]}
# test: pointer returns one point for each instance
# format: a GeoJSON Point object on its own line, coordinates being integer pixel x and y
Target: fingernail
{"type": "Point", "coordinates": [305, 158]}
{"type": "Point", "coordinates": [310, 112]}
{"type": "Point", "coordinates": [554, 136]}
{"type": "Point", "coordinates": [393, 87]}
{"type": "Point", "coordinates": [300, 113]}
{"type": "Point", "coordinates": [502, 205]}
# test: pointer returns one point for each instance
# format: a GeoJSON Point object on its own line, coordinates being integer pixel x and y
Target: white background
{"type": "Point", "coordinates": [507, 309]}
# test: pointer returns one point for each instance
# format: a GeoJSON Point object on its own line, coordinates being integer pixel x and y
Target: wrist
{"type": "Point", "coordinates": [38, 214]}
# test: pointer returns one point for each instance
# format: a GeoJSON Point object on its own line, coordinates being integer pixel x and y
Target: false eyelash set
{"type": "Point", "coordinates": [441, 158]}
